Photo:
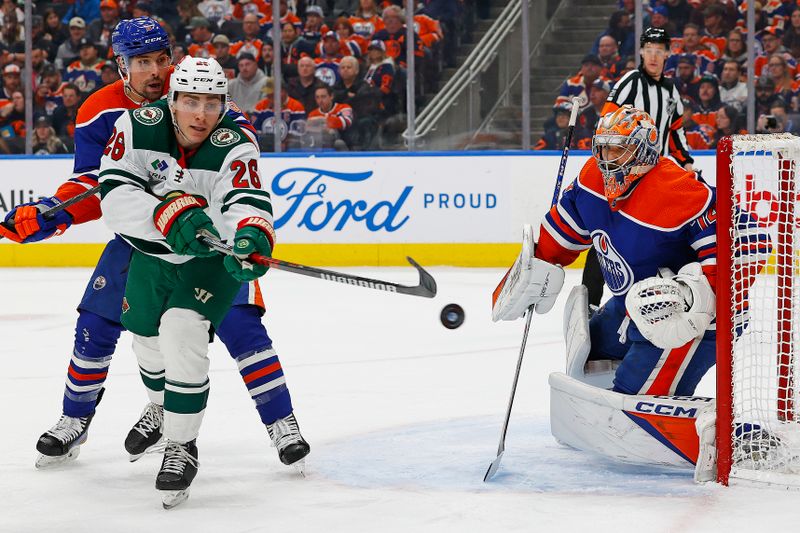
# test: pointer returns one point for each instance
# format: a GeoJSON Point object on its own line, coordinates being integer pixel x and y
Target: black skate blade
{"type": "Point", "coordinates": [172, 498]}
{"type": "Point", "coordinates": [44, 462]}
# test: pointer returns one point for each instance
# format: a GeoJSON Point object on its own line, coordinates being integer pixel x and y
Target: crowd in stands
{"type": "Point", "coordinates": [343, 63]}
{"type": "Point", "coordinates": [707, 63]}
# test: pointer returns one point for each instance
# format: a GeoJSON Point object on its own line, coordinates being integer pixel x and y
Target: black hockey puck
{"type": "Point", "coordinates": [452, 316]}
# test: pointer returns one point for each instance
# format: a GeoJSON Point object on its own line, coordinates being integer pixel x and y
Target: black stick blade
{"type": "Point", "coordinates": [427, 285]}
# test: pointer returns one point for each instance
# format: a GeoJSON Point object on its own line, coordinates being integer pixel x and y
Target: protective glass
{"type": "Point", "coordinates": [148, 64]}
{"type": "Point", "coordinates": [194, 105]}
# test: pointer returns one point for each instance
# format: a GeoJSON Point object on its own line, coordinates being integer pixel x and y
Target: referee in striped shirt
{"type": "Point", "coordinates": [647, 89]}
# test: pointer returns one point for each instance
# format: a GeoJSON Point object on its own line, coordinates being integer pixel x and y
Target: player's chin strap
{"type": "Point", "coordinates": [125, 75]}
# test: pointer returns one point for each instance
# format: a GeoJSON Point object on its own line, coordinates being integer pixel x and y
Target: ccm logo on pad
{"type": "Point", "coordinates": [666, 409]}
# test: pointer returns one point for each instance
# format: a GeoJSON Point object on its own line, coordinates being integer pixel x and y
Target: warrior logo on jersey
{"type": "Point", "coordinates": [224, 137]}
{"type": "Point", "coordinates": [99, 283]}
{"type": "Point", "coordinates": [148, 115]}
{"type": "Point", "coordinates": [617, 273]}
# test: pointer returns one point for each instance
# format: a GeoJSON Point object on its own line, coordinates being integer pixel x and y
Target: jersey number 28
{"type": "Point", "coordinates": [116, 145]}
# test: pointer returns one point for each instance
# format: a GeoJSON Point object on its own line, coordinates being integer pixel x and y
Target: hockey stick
{"type": "Point", "coordinates": [425, 289]}
{"type": "Point", "coordinates": [501, 448]}
{"type": "Point", "coordinates": [51, 212]}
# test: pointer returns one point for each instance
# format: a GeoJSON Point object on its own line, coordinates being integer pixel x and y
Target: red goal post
{"type": "Point", "coordinates": [758, 309]}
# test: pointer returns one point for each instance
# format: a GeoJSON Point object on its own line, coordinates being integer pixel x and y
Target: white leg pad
{"type": "Point", "coordinates": [151, 362]}
{"type": "Point", "coordinates": [706, 468]}
{"type": "Point", "coordinates": [648, 430]}
{"type": "Point", "coordinates": [183, 337]}
{"type": "Point", "coordinates": [576, 334]}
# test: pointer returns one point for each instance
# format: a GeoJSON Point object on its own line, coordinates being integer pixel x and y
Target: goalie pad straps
{"type": "Point", "coordinates": [671, 312]}
{"type": "Point", "coordinates": [529, 281]}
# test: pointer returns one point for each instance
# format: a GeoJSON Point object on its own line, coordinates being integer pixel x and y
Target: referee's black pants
{"type": "Point", "coordinates": [593, 277]}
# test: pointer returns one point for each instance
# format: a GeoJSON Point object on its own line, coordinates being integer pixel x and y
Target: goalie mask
{"type": "Point", "coordinates": [626, 147]}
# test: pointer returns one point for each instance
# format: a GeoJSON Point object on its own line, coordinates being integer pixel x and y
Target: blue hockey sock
{"type": "Point", "coordinates": [248, 343]}
{"type": "Point", "coordinates": [95, 340]}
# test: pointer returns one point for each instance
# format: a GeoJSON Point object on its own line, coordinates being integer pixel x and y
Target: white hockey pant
{"type": "Point", "coordinates": [174, 366]}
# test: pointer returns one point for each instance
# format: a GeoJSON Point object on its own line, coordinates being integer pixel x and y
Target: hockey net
{"type": "Point", "coordinates": [758, 309]}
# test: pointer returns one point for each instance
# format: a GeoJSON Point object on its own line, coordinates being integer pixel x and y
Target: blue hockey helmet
{"type": "Point", "coordinates": [138, 36]}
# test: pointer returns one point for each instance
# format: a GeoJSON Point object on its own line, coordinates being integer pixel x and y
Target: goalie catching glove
{"type": "Point", "coordinates": [670, 312]}
{"type": "Point", "coordinates": [179, 217]}
{"type": "Point", "coordinates": [254, 235]}
{"type": "Point", "coordinates": [26, 223]}
{"type": "Point", "coordinates": [530, 281]}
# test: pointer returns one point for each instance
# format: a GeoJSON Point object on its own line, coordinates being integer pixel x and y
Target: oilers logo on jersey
{"type": "Point", "coordinates": [326, 74]}
{"type": "Point", "coordinates": [617, 273]}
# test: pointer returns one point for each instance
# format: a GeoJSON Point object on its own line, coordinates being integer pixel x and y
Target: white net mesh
{"type": "Point", "coordinates": [765, 307]}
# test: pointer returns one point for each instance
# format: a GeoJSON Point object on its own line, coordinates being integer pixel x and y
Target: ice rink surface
{"type": "Point", "coordinates": [403, 417]}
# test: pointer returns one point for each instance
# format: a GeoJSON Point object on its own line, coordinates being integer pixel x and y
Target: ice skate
{"type": "Point", "coordinates": [292, 447]}
{"type": "Point", "coordinates": [178, 469]}
{"type": "Point", "coordinates": [62, 443]}
{"type": "Point", "coordinates": [146, 433]}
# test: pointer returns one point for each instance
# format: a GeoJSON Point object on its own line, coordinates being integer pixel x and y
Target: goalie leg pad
{"type": "Point", "coordinates": [530, 281]}
{"type": "Point", "coordinates": [597, 372]}
{"type": "Point", "coordinates": [632, 429]}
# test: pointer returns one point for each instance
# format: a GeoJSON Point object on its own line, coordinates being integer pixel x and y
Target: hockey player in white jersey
{"type": "Point", "coordinates": [170, 170]}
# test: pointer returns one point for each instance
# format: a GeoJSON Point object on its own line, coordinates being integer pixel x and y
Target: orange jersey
{"type": "Point", "coordinates": [205, 50]}
{"type": "Point", "coordinates": [366, 26]}
{"type": "Point", "coordinates": [428, 30]}
{"type": "Point", "coordinates": [247, 47]}
{"type": "Point", "coordinates": [339, 117]}
{"type": "Point", "coordinates": [255, 7]}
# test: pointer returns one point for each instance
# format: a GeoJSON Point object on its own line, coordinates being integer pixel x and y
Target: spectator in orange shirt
{"type": "Point", "coordinates": [259, 8]}
{"type": "Point", "coordinates": [329, 120]}
{"type": "Point", "coordinates": [771, 44]}
{"type": "Point", "coordinates": [251, 44]}
{"type": "Point", "coordinates": [708, 101]}
{"type": "Point", "coordinates": [356, 43]}
{"type": "Point", "coordinates": [366, 20]}
{"type": "Point", "coordinates": [200, 29]}
{"type": "Point", "coordinates": [286, 17]}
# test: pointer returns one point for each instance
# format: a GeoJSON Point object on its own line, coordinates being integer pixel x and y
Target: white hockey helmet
{"type": "Point", "coordinates": [198, 75]}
